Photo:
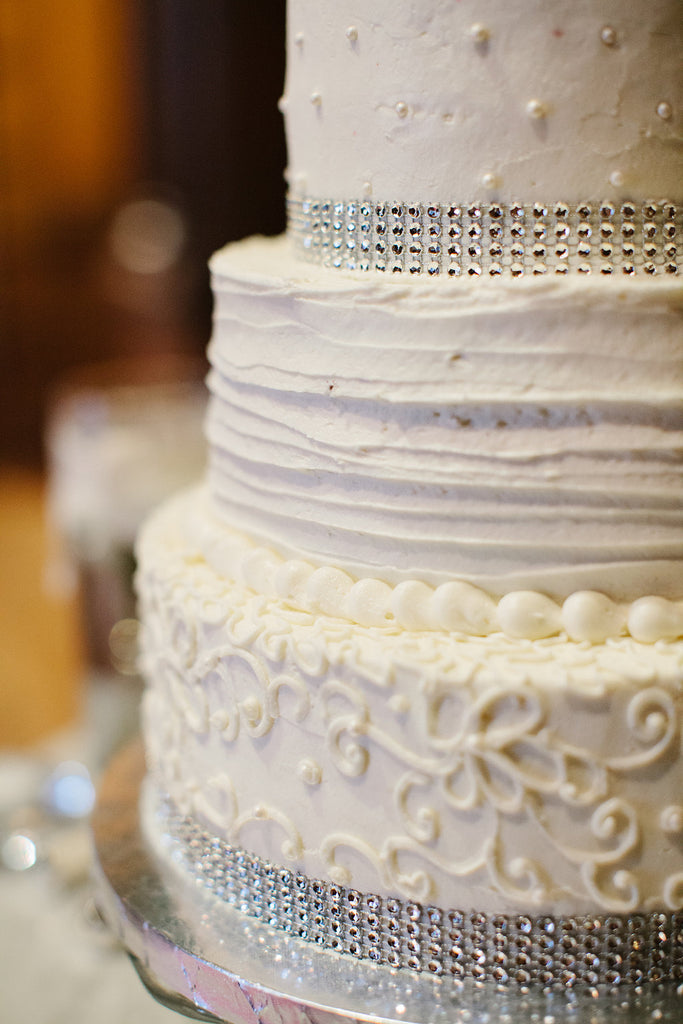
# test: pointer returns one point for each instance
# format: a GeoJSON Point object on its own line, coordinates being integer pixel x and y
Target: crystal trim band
{"type": "Point", "coordinates": [498, 948]}
{"type": "Point", "coordinates": [488, 238]}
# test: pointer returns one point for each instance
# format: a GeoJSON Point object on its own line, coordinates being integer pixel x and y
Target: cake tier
{"type": "Point", "coordinates": [460, 101]}
{"type": "Point", "coordinates": [482, 774]}
{"type": "Point", "coordinates": [515, 435]}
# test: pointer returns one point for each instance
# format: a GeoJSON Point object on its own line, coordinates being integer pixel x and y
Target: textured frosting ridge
{"type": "Point", "coordinates": [388, 742]}
{"type": "Point", "coordinates": [516, 436]}
{"type": "Point", "coordinates": [457, 101]}
{"type": "Point", "coordinates": [454, 606]}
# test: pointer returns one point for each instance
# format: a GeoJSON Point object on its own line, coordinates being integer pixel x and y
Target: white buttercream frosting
{"type": "Point", "coordinates": [402, 763]}
{"type": "Point", "coordinates": [454, 607]}
{"type": "Point", "coordinates": [516, 435]}
{"type": "Point", "coordinates": [564, 100]}
{"type": "Point", "coordinates": [419, 635]}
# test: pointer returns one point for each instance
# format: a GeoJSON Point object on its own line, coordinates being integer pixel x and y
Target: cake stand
{"type": "Point", "coordinates": [210, 962]}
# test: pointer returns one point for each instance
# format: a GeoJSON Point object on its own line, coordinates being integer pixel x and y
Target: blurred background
{"type": "Point", "coordinates": [136, 137]}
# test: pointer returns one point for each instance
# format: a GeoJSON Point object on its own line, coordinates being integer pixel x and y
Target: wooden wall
{"type": "Point", "coordinates": [101, 101]}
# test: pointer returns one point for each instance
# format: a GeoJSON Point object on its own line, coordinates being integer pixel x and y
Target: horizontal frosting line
{"type": "Point", "coordinates": [566, 470]}
{"type": "Point", "coordinates": [458, 491]}
{"type": "Point", "coordinates": [455, 606]}
{"type": "Point", "coordinates": [282, 389]}
{"type": "Point", "coordinates": [464, 376]}
{"type": "Point", "coordinates": [455, 555]}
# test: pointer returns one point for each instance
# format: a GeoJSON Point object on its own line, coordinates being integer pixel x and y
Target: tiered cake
{"type": "Point", "coordinates": [413, 653]}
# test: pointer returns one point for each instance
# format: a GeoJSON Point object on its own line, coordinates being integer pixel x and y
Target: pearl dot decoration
{"type": "Point", "coordinates": [608, 35]}
{"type": "Point", "coordinates": [310, 772]}
{"type": "Point", "coordinates": [671, 820]}
{"type": "Point", "coordinates": [664, 110]}
{"type": "Point", "coordinates": [479, 33]}
{"type": "Point", "coordinates": [616, 178]}
{"type": "Point", "coordinates": [401, 109]}
{"type": "Point", "coordinates": [490, 180]}
{"type": "Point", "coordinates": [352, 33]}
{"type": "Point", "coordinates": [299, 39]}
{"type": "Point", "coordinates": [537, 109]}
{"type": "Point", "coordinates": [316, 99]}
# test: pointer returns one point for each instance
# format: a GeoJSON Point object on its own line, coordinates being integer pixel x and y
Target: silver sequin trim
{"type": "Point", "coordinates": [489, 239]}
{"type": "Point", "coordinates": [551, 951]}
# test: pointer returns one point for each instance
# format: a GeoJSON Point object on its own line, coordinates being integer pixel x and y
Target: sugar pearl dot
{"type": "Point", "coordinates": [536, 109]}
{"type": "Point", "coordinates": [664, 110]}
{"type": "Point", "coordinates": [309, 771]}
{"type": "Point", "coordinates": [479, 33]}
{"type": "Point", "coordinates": [282, 104]}
{"type": "Point", "coordinates": [352, 33]}
{"type": "Point", "coordinates": [671, 819]}
{"type": "Point", "coordinates": [367, 189]}
{"type": "Point", "coordinates": [401, 109]}
{"type": "Point", "coordinates": [608, 35]}
{"type": "Point", "coordinates": [399, 703]}
{"type": "Point", "coordinates": [616, 178]}
{"type": "Point", "coordinates": [316, 99]}
{"type": "Point", "coordinates": [299, 39]}
{"type": "Point", "coordinates": [490, 181]}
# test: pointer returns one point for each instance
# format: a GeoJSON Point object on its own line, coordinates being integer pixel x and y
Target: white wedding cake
{"type": "Point", "coordinates": [413, 652]}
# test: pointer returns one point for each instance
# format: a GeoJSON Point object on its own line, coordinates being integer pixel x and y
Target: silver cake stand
{"type": "Point", "coordinates": [208, 961]}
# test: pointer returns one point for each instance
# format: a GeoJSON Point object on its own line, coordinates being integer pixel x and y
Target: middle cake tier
{"type": "Point", "coordinates": [515, 435]}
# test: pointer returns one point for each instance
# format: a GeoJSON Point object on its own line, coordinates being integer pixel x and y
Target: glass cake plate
{"type": "Point", "coordinates": [207, 960]}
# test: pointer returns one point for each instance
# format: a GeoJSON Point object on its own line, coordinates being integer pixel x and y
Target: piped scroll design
{"type": "Point", "coordinates": [503, 759]}
{"type": "Point", "coordinates": [223, 667]}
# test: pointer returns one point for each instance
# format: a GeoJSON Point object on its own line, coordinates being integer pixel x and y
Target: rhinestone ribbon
{"type": "Point", "coordinates": [488, 238]}
{"type": "Point", "coordinates": [498, 948]}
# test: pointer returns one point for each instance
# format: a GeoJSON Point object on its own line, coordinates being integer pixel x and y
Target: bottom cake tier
{"type": "Point", "coordinates": [426, 798]}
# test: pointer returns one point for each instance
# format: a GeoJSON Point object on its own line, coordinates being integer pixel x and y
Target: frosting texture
{"type": "Point", "coordinates": [477, 773]}
{"type": "Point", "coordinates": [454, 607]}
{"type": "Point", "coordinates": [470, 101]}
{"type": "Point", "coordinates": [516, 435]}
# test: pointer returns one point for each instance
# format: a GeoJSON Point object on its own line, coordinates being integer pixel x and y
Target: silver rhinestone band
{"type": "Point", "coordinates": [489, 239]}
{"type": "Point", "coordinates": [498, 948]}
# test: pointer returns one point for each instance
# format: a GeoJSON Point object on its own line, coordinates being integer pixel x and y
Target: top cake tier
{"type": "Point", "coordinates": [483, 100]}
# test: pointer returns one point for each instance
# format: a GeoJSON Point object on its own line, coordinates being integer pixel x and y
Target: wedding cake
{"type": "Point", "coordinates": [413, 651]}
